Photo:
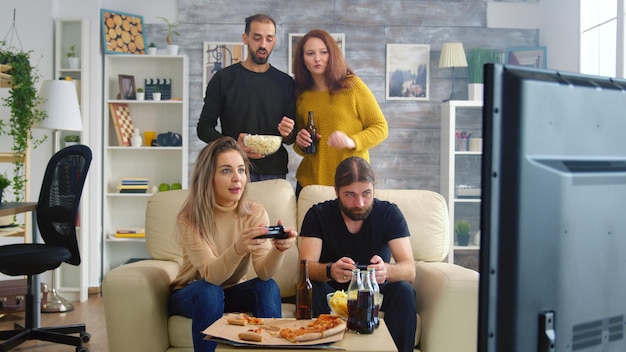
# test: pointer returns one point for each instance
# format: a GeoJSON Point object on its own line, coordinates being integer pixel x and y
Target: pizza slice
{"type": "Point", "coordinates": [325, 325]}
{"type": "Point", "coordinates": [243, 319]}
{"type": "Point", "coordinates": [255, 335]}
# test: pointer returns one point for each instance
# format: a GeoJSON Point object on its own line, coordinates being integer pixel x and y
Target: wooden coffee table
{"type": "Point", "coordinates": [379, 341]}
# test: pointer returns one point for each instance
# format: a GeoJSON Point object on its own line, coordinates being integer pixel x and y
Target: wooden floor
{"type": "Point", "coordinates": [90, 312]}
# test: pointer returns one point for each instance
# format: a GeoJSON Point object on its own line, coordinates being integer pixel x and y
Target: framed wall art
{"type": "Point", "coordinates": [407, 71]}
{"type": "Point", "coordinates": [123, 124]}
{"type": "Point", "coordinates": [218, 55]}
{"type": "Point", "coordinates": [294, 38]}
{"type": "Point", "coordinates": [127, 87]}
{"type": "Point", "coordinates": [530, 57]}
{"type": "Point", "coordinates": [122, 33]}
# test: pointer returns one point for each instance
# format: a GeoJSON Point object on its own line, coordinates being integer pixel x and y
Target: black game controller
{"type": "Point", "coordinates": [277, 232]}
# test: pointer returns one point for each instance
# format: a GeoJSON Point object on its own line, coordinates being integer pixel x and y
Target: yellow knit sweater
{"type": "Point", "coordinates": [355, 112]}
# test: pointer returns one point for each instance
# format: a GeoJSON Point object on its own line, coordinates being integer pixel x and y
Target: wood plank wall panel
{"type": "Point", "coordinates": [409, 158]}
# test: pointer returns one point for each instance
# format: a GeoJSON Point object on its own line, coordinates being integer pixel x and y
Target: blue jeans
{"type": "Point", "coordinates": [205, 303]}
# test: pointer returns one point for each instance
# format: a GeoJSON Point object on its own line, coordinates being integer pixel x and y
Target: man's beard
{"type": "Point", "coordinates": [356, 214]}
{"type": "Point", "coordinates": [260, 61]}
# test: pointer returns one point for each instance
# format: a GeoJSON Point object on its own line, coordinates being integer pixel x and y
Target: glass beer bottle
{"type": "Point", "coordinates": [304, 293]}
{"type": "Point", "coordinates": [310, 127]}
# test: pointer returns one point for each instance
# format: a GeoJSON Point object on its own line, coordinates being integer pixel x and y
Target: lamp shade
{"type": "Point", "coordinates": [452, 55]}
{"type": "Point", "coordinates": [60, 103]}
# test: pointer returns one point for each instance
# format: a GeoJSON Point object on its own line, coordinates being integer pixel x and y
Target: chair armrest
{"type": "Point", "coordinates": [135, 305]}
{"type": "Point", "coordinates": [447, 303]}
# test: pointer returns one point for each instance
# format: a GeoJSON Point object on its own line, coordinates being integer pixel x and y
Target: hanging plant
{"type": "Point", "coordinates": [23, 101]}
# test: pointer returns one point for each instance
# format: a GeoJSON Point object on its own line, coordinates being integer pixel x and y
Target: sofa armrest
{"type": "Point", "coordinates": [447, 303]}
{"type": "Point", "coordinates": [135, 305]}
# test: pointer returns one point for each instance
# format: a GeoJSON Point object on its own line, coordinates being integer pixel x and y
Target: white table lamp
{"type": "Point", "coordinates": [452, 55]}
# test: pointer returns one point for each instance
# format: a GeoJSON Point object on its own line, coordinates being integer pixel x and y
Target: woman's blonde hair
{"type": "Point", "coordinates": [197, 213]}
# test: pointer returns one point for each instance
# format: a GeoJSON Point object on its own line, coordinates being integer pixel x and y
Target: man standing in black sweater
{"type": "Point", "coordinates": [252, 97]}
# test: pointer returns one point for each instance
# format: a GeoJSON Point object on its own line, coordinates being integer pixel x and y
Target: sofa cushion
{"type": "Point", "coordinates": [161, 213]}
{"type": "Point", "coordinates": [426, 213]}
{"type": "Point", "coordinates": [266, 193]}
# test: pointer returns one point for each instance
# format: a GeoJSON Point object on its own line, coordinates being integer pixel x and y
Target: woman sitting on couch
{"type": "Point", "coordinates": [217, 229]}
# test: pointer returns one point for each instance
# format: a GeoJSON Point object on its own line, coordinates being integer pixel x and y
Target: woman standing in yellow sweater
{"type": "Point", "coordinates": [347, 117]}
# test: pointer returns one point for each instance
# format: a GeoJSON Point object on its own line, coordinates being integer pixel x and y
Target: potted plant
{"type": "Point", "coordinates": [5, 182]}
{"type": "Point", "coordinates": [73, 61]}
{"type": "Point", "coordinates": [476, 59]}
{"type": "Point", "coordinates": [156, 93]}
{"type": "Point", "coordinates": [23, 100]}
{"type": "Point", "coordinates": [71, 139]}
{"type": "Point", "coordinates": [461, 230]}
{"type": "Point", "coordinates": [152, 49]}
{"type": "Point", "coordinates": [140, 94]}
{"type": "Point", "coordinates": [172, 49]}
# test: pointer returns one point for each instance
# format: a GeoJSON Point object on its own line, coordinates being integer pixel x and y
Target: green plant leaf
{"type": "Point", "coordinates": [476, 59]}
{"type": "Point", "coordinates": [23, 101]}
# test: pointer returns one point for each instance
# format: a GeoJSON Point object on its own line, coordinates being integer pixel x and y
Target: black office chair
{"type": "Point", "coordinates": [57, 209]}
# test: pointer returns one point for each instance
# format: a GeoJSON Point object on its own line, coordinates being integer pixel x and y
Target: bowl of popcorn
{"type": "Point", "coordinates": [262, 144]}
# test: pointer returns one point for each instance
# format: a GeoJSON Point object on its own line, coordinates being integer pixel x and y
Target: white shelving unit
{"type": "Point", "coordinates": [73, 281]}
{"type": "Point", "coordinates": [461, 168]}
{"type": "Point", "coordinates": [158, 164]}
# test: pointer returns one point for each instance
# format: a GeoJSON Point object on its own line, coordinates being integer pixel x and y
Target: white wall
{"type": "Point", "coordinates": [558, 23]}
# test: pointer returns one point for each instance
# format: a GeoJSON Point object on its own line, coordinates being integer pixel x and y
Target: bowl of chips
{"type": "Point", "coordinates": [262, 143]}
{"type": "Point", "coordinates": [338, 303]}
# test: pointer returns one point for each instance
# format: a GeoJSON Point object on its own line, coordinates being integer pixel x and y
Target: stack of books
{"type": "Point", "coordinates": [133, 185]}
{"type": "Point", "coordinates": [130, 232]}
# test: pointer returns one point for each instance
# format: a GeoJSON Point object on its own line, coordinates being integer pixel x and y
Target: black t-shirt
{"type": "Point", "coordinates": [249, 102]}
{"type": "Point", "coordinates": [384, 224]}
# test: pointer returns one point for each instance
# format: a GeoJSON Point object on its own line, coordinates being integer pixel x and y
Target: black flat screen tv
{"type": "Point", "coordinates": [553, 212]}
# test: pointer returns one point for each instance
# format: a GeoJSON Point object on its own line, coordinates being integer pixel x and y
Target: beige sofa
{"type": "Point", "coordinates": [135, 295]}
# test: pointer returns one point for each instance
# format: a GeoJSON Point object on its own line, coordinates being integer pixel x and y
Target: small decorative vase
{"type": "Point", "coordinates": [136, 140]}
{"type": "Point", "coordinates": [74, 63]}
{"type": "Point", "coordinates": [141, 96]}
{"type": "Point", "coordinates": [152, 50]}
{"type": "Point", "coordinates": [156, 96]}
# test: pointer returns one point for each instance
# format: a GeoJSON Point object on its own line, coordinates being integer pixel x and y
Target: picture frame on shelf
{"type": "Point", "coordinates": [535, 57]}
{"type": "Point", "coordinates": [122, 33]}
{"type": "Point", "coordinates": [294, 38]}
{"type": "Point", "coordinates": [407, 72]}
{"type": "Point", "coordinates": [128, 89]}
{"type": "Point", "coordinates": [122, 123]}
{"type": "Point", "coordinates": [218, 55]}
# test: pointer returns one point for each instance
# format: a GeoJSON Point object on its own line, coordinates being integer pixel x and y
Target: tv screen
{"type": "Point", "coordinates": [553, 212]}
